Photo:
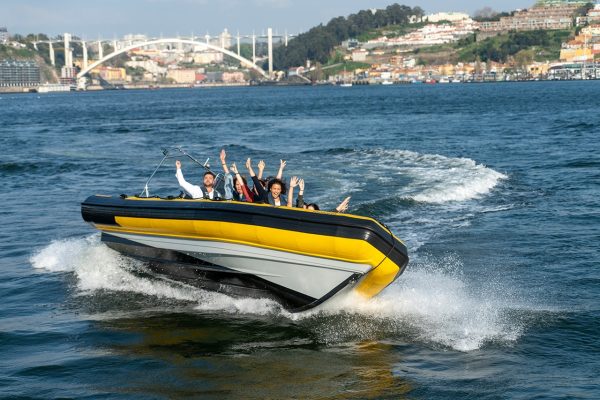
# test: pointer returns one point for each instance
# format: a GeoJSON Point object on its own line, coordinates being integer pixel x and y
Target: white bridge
{"type": "Point", "coordinates": [193, 40]}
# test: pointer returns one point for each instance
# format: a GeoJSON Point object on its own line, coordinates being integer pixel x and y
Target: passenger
{"type": "Point", "coordinates": [300, 198]}
{"type": "Point", "coordinates": [341, 208]}
{"type": "Point", "coordinates": [228, 185]}
{"type": "Point", "coordinates": [196, 192]}
{"type": "Point", "coordinates": [273, 195]}
{"type": "Point", "coordinates": [264, 182]}
{"type": "Point", "coordinates": [242, 191]}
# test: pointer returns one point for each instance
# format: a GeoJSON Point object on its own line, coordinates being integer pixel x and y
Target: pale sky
{"type": "Point", "coordinates": [110, 18]}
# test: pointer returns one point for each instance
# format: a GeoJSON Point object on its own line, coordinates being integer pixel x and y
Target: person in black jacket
{"type": "Point", "coordinates": [273, 195]}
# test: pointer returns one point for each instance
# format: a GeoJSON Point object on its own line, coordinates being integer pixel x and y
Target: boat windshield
{"type": "Point", "coordinates": [172, 153]}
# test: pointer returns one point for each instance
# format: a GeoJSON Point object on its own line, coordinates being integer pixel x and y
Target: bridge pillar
{"type": "Point", "coordinates": [270, 50]}
{"type": "Point", "coordinates": [68, 54]}
{"type": "Point", "coordinates": [85, 54]}
{"type": "Point", "coordinates": [253, 48]}
{"type": "Point", "coordinates": [100, 50]}
{"type": "Point", "coordinates": [51, 50]}
{"type": "Point", "coordinates": [238, 43]}
{"type": "Point", "coordinates": [114, 45]}
{"type": "Point", "coordinates": [286, 38]}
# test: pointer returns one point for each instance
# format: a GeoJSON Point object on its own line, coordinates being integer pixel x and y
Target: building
{"type": "Point", "coordinates": [182, 75]}
{"type": "Point", "coordinates": [4, 36]}
{"type": "Point", "coordinates": [233, 77]}
{"type": "Point", "coordinates": [592, 17]}
{"type": "Point", "coordinates": [447, 16]}
{"type": "Point", "coordinates": [359, 55]}
{"type": "Point", "coordinates": [350, 44]}
{"type": "Point", "coordinates": [536, 18]}
{"type": "Point", "coordinates": [19, 73]}
{"type": "Point", "coordinates": [208, 57]}
{"type": "Point", "coordinates": [546, 3]}
{"type": "Point", "coordinates": [149, 65]}
{"type": "Point", "coordinates": [110, 73]}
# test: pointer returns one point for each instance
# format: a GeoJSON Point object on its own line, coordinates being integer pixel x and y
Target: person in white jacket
{"type": "Point", "coordinates": [197, 192]}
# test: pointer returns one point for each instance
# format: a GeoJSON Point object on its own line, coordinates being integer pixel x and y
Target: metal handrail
{"type": "Point", "coordinates": [167, 155]}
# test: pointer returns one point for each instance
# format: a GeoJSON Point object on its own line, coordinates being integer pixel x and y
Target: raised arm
{"type": "Point", "coordinates": [238, 178]}
{"type": "Point", "coordinates": [223, 157]}
{"type": "Point", "coordinates": [343, 207]}
{"type": "Point", "coordinates": [261, 169]}
{"type": "Point", "coordinates": [293, 184]}
{"type": "Point", "coordinates": [192, 190]}
{"type": "Point", "coordinates": [282, 164]}
{"type": "Point", "coordinates": [300, 199]}
{"type": "Point", "coordinates": [262, 193]}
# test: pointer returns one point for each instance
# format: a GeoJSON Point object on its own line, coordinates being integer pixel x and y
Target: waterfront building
{"type": "Point", "coordinates": [182, 75]}
{"type": "Point", "coordinates": [110, 73]}
{"type": "Point", "coordinates": [4, 36]}
{"type": "Point", "coordinates": [19, 73]}
{"type": "Point", "coordinates": [233, 77]}
{"type": "Point", "coordinates": [536, 18]}
{"type": "Point", "coordinates": [583, 48]}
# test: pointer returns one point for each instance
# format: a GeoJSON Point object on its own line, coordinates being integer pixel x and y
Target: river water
{"type": "Point", "coordinates": [493, 187]}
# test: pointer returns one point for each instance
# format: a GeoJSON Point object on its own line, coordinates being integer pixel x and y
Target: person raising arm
{"type": "Point", "coordinates": [261, 169]}
{"type": "Point", "coordinates": [194, 191]}
{"type": "Point", "coordinates": [262, 196]}
{"type": "Point", "coordinates": [228, 185]}
{"type": "Point", "coordinates": [290, 195]}
{"type": "Point", "coordinates": [282, 164]}
{"type": "Point", "coordinates": [242, 191]}
{"type": "Point", "coordinates": [300, 199]}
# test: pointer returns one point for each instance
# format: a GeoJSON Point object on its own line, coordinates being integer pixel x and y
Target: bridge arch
{"type": "Point", "coordinates": [243, 60]}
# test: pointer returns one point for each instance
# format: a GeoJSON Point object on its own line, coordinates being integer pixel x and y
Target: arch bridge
{"type": "Point", "coordinates": [244, 61]}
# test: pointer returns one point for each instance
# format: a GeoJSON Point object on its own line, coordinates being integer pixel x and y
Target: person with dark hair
{"type": "Point", "coordinates": [196, 192]}
{"type": "Point", "coordinates": [273, 195]}
{"type": "Point", "coordinates": [242, 192]}
{"type": "Point", "coordinates": [265, 182]}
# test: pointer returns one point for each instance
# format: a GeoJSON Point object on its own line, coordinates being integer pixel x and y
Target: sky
{"type": "Point", "coordinates": [114, 18]}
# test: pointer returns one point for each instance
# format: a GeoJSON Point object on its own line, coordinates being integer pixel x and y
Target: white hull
{"type": "Point", "coordinates": [311, 276]}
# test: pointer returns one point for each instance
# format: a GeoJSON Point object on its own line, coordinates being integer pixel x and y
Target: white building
{"type": "Point", "coordinates": [149, 65]}
{"type": "Point", "coordinates": [4, 36]}
{"type": "Point", "coordinates": [447, 16]}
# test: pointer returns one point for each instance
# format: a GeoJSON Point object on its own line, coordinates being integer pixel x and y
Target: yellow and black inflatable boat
{"type": "Point", "coordinates": [299, 257]}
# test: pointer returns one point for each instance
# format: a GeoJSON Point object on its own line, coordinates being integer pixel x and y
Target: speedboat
{"type": "Point", "coordinates": [301, 258]}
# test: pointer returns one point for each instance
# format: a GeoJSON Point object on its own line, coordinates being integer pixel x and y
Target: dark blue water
{"type": "Point", "coordinates": [495, 189]}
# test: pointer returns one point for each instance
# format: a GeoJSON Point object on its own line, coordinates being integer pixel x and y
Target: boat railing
{"type": "Point", "coordinates": [174, 152]}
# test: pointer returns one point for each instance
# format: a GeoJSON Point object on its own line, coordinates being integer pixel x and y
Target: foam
{"type": "Point", "coordinates": [435, 178]}
{"type": "Point", "coordinates": [430, 303]}
{"type": "Point", "coordinates": [437, 307]}
{"type": "Point", "coordinates": [99, 268]}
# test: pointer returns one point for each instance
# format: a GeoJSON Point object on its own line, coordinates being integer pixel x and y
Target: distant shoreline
{"type": "Point", "coordinates": [29, 90]}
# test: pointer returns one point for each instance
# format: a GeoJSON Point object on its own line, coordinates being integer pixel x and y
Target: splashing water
{"type": "Point", "coordinates": [427, 303]}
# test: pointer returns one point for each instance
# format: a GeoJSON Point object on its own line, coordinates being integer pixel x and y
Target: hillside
{"type": "Point", "coordinates": [318, 43]}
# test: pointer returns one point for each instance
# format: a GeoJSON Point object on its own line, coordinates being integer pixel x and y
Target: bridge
{"type": "Point", "coordinates": [121, 47]}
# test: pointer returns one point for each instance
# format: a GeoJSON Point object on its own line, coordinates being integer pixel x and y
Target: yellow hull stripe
{"type": "Point", "coordinates": [150, 199]}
